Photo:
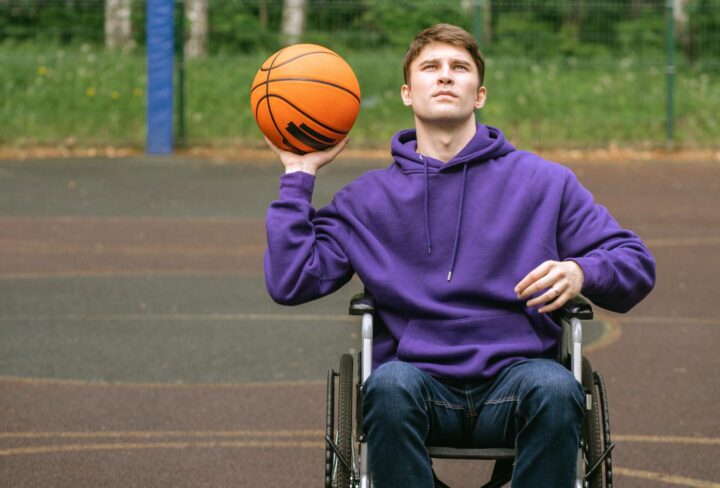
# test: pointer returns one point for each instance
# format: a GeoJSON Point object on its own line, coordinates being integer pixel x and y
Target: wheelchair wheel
{"type": "Point", "coordinates": [593, 430]}
{"type": "Point", "coordinates": [339, 443]}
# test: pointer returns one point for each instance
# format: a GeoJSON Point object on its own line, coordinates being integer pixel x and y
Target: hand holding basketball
{"type": "Point", "coordinates": [305, 98]}
{"type": "Point", "coordinates": [310, 162]}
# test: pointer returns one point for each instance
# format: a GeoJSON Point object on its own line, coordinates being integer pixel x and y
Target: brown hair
{"type": "Point", "coordinates": [446, 34]}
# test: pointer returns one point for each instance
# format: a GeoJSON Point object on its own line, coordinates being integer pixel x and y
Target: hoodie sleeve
{"type": "Point", "coordinates": [305, 257]}
{"type": "Point", "coordinates": [619, 270]}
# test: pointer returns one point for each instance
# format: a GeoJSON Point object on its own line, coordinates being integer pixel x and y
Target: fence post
{"type": "Point", "coordinates": [670, 70]}
{"type": "Point", "coordinates": [160, 47]}
{"type": "Point", "coordinates": [478, 20]}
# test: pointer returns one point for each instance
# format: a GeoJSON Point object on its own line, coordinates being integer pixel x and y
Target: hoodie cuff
{"type": "Point", "coordinates": [592, 274]}
{"type": "Point", "coordinates": [297, 185]}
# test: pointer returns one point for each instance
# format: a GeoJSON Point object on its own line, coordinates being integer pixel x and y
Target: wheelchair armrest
{"type": "Point", "coordinates": [578, 307]}
{"type": "Point", "coordinates": [362, 303]}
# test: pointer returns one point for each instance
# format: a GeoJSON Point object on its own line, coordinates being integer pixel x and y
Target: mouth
{"type": "Point", "coordinates": [444, 94]}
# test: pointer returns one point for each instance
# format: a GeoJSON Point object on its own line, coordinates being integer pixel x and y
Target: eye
{"type": "Point", "coordinates": [461, 67]}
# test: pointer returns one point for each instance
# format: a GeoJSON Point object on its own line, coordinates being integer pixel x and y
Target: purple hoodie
{"type": "Point", "coordinates": [441, 246]}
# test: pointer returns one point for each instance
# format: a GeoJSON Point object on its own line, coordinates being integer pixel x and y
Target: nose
{"type": "Point", "coordinates": [445, 75]}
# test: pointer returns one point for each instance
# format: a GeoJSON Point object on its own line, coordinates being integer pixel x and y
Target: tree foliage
{"type": "Point", "coordinates": [531, 28]}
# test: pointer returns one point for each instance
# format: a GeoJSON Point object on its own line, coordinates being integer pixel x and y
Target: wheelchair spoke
{"type": "Point", "coordinates": [338, 454]}
{"type": "Point", "coordinates": [600, 460]}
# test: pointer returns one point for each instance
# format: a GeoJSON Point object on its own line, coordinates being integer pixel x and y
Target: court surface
{"type": "Point", "coordinates": [138, 347]}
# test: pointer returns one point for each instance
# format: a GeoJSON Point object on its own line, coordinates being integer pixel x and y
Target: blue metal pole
{"type": "Point", "coordinates": [160, 51]}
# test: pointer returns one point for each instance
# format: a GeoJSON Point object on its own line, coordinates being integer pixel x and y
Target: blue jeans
{"type": "Point", "coordinates": [535, 406]}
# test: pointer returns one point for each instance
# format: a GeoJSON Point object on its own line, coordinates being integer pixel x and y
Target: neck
{"type": "Point", "coordinates": [443, 141]}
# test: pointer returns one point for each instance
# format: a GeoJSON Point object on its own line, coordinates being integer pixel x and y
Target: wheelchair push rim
{"type": "Point", "coordinates": [339, 452]}
{"type": "Point", "coordinates": [596, 443]}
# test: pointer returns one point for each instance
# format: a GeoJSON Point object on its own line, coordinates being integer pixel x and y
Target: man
{"type": "Point", "coordinates": [466, 244]}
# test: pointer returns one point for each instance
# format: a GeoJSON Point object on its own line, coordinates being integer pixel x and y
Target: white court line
{"type": "Point", "coordinates": [668, 320]}
{"type": "Point", "coordinates": [683, 241]}
{"type": "Point", "coordinates": [667, 439]}
{"type": "Point", "coordinates": [190, 317]}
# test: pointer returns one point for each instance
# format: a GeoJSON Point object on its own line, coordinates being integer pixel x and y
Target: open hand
{"type": "Point", "coordinates": [562, 281]}
{"type": "Point", "coordinates": [310, 162]}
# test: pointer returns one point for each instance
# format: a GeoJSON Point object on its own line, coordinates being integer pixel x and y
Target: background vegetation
{"type": "Point", "coordinates": [561, 73]}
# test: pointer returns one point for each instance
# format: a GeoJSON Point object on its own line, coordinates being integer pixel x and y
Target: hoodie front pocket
{"type": "Point", "coordinates": [471, 344]}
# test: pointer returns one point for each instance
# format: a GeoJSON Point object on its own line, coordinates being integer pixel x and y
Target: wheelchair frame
{"type": "Point", "coordinates": [346, 458]}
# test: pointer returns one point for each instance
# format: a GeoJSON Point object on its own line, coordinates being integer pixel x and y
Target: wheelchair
{"type": "Point", "coordinates": [346, 457]}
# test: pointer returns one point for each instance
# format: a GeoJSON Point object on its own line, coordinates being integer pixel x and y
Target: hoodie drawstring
{"type": "Point", "coordinates": [427, 208]}
{"type": "Point", "coordinates": [459, 221]}
{"type": "Point", "coordinates": [461, 204]}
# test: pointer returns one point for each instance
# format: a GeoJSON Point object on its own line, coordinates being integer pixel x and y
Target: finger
{"type": "Point", "coordinates": [533, 276]}
{"type": "Point", "coordinates": [337, 148]}
{"type": "Point", "coordinates": [544, 283]}
{"type": "Point", "coordinates": [551, 294]}
{"type": "Point", "coordinates": [274, 148]}
{"type": "Point", "coordinates": [555, 304]}
{"type": "Point", "coordinates": [551, 277]}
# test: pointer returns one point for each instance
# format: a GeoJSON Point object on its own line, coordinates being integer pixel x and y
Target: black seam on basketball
{"type": "Point", "coordinates": [309, 130]}
{"type": "Point", "coordinates": [298, 109]}
{"type": "Point", "coordinates": [306, 138]}
{"type": "Point", "coordinates": [272, 117]}
{"type": "Point", "coordinates": [296, 57]}
{"type": "Point", "coordinates": [310, 80]}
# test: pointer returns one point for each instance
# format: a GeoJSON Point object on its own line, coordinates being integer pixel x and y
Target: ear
{"type": "Point", "coordinates": [406, 95]}
{"type": "Point", "coordinates": [481, 97]}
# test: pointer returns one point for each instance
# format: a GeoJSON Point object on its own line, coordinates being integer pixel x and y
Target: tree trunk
{"type": "Point", "coordinates": [469, 6]}
{"type": "Point", "coordinates": [196, 12]}
{"type": "Point", "coordinates": [682, 28]}
{"type": "Point", "coordinates": [118, 31]}
{"type": "Point", "coordinates": [263, 13]}
{"type": "Point", "coordinates": [293, 25]}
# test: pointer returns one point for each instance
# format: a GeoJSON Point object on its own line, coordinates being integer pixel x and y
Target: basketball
{"type": "Point", "coordinates": [305, 98]}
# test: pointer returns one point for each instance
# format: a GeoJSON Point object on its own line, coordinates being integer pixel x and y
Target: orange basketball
{"type": "Point", "coordinates": [305, 98]}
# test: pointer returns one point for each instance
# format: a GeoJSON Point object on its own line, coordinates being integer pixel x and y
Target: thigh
{"type": "Point", "coordinates": [514, 395]}
{"type": "Point", "coordinates": [398, 390]}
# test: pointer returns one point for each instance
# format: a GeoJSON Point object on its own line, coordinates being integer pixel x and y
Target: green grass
{"type": "Point", "coordinates": [87, 96]}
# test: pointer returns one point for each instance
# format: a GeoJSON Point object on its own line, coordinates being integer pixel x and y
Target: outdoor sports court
{"type": "Point", "coordinates": [138, 346]}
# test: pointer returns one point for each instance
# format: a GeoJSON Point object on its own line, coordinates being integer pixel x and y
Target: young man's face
{"type": "Point", "coordinates": [443, 85]}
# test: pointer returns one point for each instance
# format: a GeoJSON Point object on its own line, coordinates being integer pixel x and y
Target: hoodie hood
{"type": "Point", "coordinates": [488, 143]}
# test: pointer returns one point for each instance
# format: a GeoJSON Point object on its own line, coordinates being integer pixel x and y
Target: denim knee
{"type": "Point", "coordinates": [393, 378]}
{"type": "Point", "coordinates": [393, 388]}
{"type": "Point", "coordinates": [551, 386]}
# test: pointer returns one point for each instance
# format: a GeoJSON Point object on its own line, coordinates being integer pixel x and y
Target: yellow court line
{"type": "Point", "coordinates": [72, 219]}
{"type": "Point", "coordinates": [160, 433]}
{"type": "Point", "coordinates": [159, 445]}
{"type": "Point", "coordinates": [653, 439]}
{"type": "Point", "coordinates": [667, 439]}
{"type": "Point", "coordinates": [146, 272]}
{"type": "Point", "coordinates": [105, 384]}
{"type": "Point", "coordinates": [665, 478]}
{"type": "Point", "coordinates": [610, 334]}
